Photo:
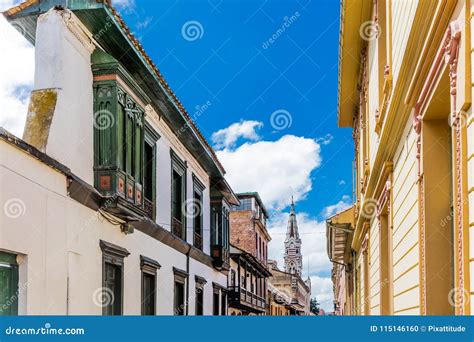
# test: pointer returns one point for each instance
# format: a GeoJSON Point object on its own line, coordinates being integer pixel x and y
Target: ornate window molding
{"type": "Point", "coordinates": [447, 55]}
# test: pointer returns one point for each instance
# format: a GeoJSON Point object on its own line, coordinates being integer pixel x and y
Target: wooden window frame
{"type": "Point", "coordinates": [9, 260]}
{"type": "Point", "coordinates": [180, 276]}
{"type": "Point", "coordinates": [150, 139]}
{"type": "Point", "coordinates": [114, 255]}
{"type": "Point", "coordinates": [150, 267]}
{"type": "Point", "coordinates": [198, 187]}
{"type": "Point", "coordinates": [199, 289]}
{"type": "Point", "coordinates": [180, 167]}
{"type": "Point", "coordinates": [216, 304]}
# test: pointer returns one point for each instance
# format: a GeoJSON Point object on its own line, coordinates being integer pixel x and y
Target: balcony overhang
{"type": "Point", "coordinates": [236, 253]}
{"type": "Point", "coordinates": [110, 31]}
{"type": "Point", "coordinates": [242, 299]}
{"type": "Point", "coordinates": [339, 231]}
{"type": "Point", "coordinates": [353, 14]}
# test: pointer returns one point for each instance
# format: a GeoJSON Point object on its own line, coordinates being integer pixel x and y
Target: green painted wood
{"type": "Point", "coordinates": [8, 284]}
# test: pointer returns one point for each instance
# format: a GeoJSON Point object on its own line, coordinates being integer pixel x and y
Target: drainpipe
{"type": "Point", "coordinates": [187, 282]}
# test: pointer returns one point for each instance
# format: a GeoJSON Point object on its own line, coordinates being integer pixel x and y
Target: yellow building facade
{"type": "Point", "coordinates": [405, 89]}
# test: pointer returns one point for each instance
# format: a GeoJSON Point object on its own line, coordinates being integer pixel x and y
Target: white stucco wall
{"type": "Point", "coordinates": [60, 239]}
{"type": "Point", "coordinates": [62, 62]}
{"type": "Point", "coordinates": [57, 238]}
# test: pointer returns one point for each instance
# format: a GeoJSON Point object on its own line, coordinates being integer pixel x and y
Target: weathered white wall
{"type": "Point", "coordinates": [63, 62]}
{"type": "Point", "coordinates": [60, 239]}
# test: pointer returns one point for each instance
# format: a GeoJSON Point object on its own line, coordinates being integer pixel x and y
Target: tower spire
{"type": "Point", "coordinates": [293, 257]}
{"type": "Point", "coordinates": [292, 228]}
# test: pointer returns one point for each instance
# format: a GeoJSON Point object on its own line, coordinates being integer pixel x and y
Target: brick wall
{"type": "Point", "coordinates": [242, 232]}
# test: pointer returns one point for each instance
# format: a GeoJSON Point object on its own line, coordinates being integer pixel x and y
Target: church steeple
{"type": "Point", "coordinates": [293, 257]}
{"type": "Point", "coordinates": [292, 230]}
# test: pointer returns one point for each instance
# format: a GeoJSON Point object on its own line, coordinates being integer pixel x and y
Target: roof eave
{"type": "Point", "coordinates": [353, 14]}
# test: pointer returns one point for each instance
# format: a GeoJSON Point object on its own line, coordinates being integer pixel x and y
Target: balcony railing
{"type": "Point", "coordinates": [241, 297]}
{"type": "Point", "coordinates": [149, 208]}
{"type": "Point", "coordinates": [177, 227]}
{"type": "Point", "coordinates": [197, 241]}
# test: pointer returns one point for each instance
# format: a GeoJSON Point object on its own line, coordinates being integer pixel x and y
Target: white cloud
{"type": "Point", "coordinates": [16, 75]}
{"type": "Point", "coordinates": [343, 204]}
{"type": "Point", "coordinates": [322, 290]}
{"type": "Point", "coordinates": [227, 137]}
{"type": "Point", "coordinates": [342, 182]}
{"type": "Point", "coordinates": [276, 169]}
{"type": "Point", "coordinates": [326, 140]}
{"type": "Point", "coordinates": [145, 23]}
{"type": "Point", "coordinates": [124, 4]}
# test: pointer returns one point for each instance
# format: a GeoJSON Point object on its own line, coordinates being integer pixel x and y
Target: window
{"type": "Point", "coordinates": [245, 204]}
{"type": "Point", "coordinates": [178, 196]}
{"type": "Point", "coordinates": [8, 284]}
{"type": "Point", "coordinates": [220, 233]}
{"type": "Point", "coordinates": [215, 301]}
{"type": "Point", "coordinates": [180, 278]}
{"type": "Point", "coordinates": [112, 278]}
{"type": "Point", "coordinates": [200, 282]}
{"type": "Point", "coordinates": [118, 143]}
{"type": "Point", "coordinates": [198, 189]}
{"type": "Point", "coordinates": [232, 278]}
{"type": "Point", "coordinates": [149, 171]}
{"type": "Point", "coordinates": [223, 303]}
{"type": "Point", "coordinates": [149, 268]}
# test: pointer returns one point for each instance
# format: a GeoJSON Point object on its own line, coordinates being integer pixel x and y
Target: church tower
{"type": "Point", "coordinates": [293, 257]}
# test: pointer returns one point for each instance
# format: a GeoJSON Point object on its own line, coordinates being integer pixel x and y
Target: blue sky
{"type": "Point", "coordinates": [230, 63]}
{"type": "Point", "coordinates": [229, 67]}
{"type": "Point", "coordinates": [260, 79]}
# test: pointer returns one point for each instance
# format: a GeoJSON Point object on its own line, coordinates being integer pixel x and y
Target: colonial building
{"type": "Point", "coordinates": [338, 236]}
{"type": "Point", "coordinates": [113, 202]}
{"type": "Point", "coordinates": [405, 89]}
{"type": "Point", "coordinates": [289, 283]}
{"type": "Point", "coordinates": [248, 254]}
{"type": "Point", "coordinates": [279, 302]}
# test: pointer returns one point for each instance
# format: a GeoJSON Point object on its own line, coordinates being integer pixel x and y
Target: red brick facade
{"type": "Point", "coordinates": [242, 231]}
